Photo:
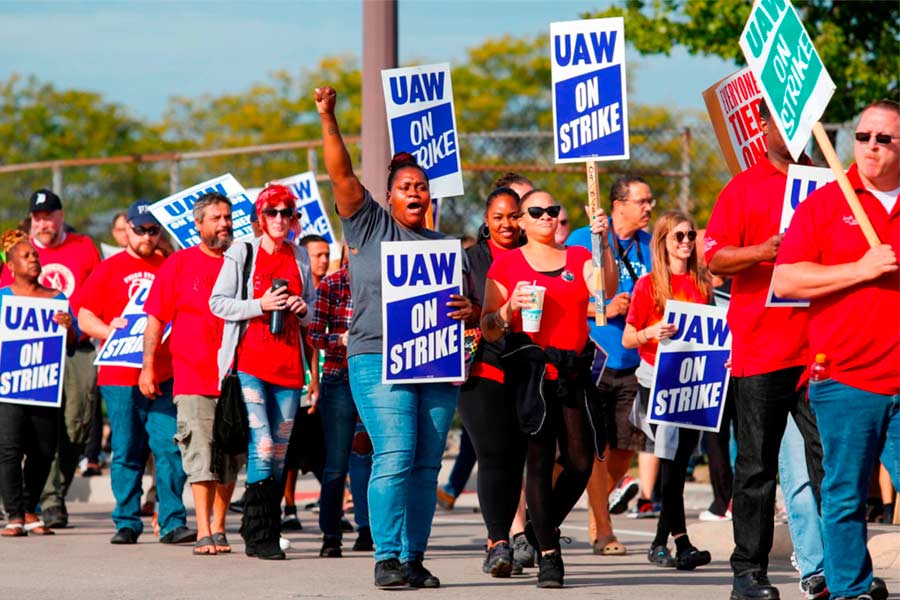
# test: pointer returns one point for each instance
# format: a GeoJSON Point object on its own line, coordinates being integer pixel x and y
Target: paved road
{"type": "Point", "coordinates": [79, 563]}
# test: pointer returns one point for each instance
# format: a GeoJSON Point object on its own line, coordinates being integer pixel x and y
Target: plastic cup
{"type": "Point", "coordinates": [531, 317]}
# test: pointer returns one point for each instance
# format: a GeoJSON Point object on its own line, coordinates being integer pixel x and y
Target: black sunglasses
{"type": "Point", "coordinates": [882, 138]}
{"type": "Point", "coordinates": [286, 213]}
{"type": "Point", "coordinates": [537, 211]}
{"type": "Point", "coordinates": [152, 230]}
{"type": "Point", "coordinates": [691, 235]}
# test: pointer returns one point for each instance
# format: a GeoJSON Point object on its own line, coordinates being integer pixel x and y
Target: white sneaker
{"type": "Point", "coordinates": [706, 515]}
{"type": "Point", "coordinates": [284, 543]}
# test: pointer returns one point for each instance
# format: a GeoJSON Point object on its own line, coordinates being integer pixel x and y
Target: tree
{"type": "Point", "coordinates": [857, 41]}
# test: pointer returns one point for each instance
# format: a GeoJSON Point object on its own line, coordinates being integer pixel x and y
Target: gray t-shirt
{"type": "Point", "coordinates": [364, 232]}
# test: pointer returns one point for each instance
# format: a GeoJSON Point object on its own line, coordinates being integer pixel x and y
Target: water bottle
{"type": "Point", "coordinates": [276, 322]}
{"type": "Point", "coordinates": [819, 369]}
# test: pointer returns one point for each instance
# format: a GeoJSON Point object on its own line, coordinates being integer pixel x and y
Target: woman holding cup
{"type": "Point", "coordinates": [264, 322]}
{"type": "Point", "coordinates": [537, 296]}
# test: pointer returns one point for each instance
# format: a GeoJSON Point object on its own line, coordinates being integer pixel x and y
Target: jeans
{"type": "Point", "coordinates": [462, 467]}
{"type": "Point", "coordinates": [30, 432]}
{"type": "Point", "coordinates": [762, 404]}
{"type": "Point", "coordinates": [270, 413]}
{"type": "Point", "coordinates": [360, 470]}
{"type": "Point", "coordinates": [408, 424]}
{"type": "Point", "coordinates": [140, 426]}
{"type": "Point", "coordinates": [339, 416]}
{"type": "Point", "coordinates": [856, 427]}
{"type": "Point", "coordinates": [804, 518]}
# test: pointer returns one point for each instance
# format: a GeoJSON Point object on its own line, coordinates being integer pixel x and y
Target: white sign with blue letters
{"type": "Point", "coordinates": [422, 121]}
{"type": "Point", "coordinates": [32, 351]}
{"type": "Point", "coordinates": [175, 213]}
{"type": "Point", "coordinates": [590, 107]}
{"type": "Point", "coordinates": [125, 347]}
{"type": "Point", "coordinates": [690, 381]}
{"type": "Point", "coordinates": [420, 342]}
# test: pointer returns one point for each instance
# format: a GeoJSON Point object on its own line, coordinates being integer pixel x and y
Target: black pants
{"type": "Point", "coordinates": [490, 418]}
{"type": "Point", "coordinates": [721, 476]}
{"type": "Point", "coordinates": [567, 425]}
{"type": "Point", "coordinates": [30, 432]}
{"type": "Point", "coordinates": [762, 404]}
{"type": "Point", "coordinates": [95, 441]}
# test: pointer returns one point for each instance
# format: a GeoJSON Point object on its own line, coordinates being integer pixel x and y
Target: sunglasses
{"type": "Point", "coordinates": [286, 213]}
{"type": "Point", "coordinates": [152, 230]}
{"type": "Point", "coordinates": [691, 235]}
{"type": "Point", "coordinates": [536, 212]}
{"type": "Point", "coordinates": [882, 138]}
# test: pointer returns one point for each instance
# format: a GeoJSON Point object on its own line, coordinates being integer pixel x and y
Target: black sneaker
{"type": "Point", "coordinates": [55, 517]}
{"type": "Point", "coordinates": [331, 548]}
{"type": "Point", "coordinates": [878, 589]}
{"type": "Point", "coordinates": [126, 535]}
{"type": "Point", "coordinates": [418, 576]}
{"type": "Point", "coordinates": [660, 556]}
{"type": "Point", "coordinates": [814, 587]}
{"type": "Point", "coordinates": [551, 570]}
{"type": "Point", "coordinates": [346, 526]}
{"type": "Point", "coordinates": [498, 560]}
{"type": "Point", "coordinates": [388, 573]}
{"type": "Point", "coordinates": [523, 554]}
{"type": "Point", "coordinates": [179, 535]}
{"type": "Point", "coordinates": [753, 585]}
{"type": "Point", "coordinates": [364, 541]}
{"type": "Point", "coordinates": [691, 558]}
{"type": "Point", "coordinates": [290, 522]}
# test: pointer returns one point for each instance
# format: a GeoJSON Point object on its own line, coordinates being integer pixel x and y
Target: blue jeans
{"type": "Point", "coordinates": [339, 416]}
{"type": "Point", "coordinates": [800, 502]}
{"type": "Point", "coordinates": [270, 412]}
{"type": "Point", "coordinates": [360, 473]}
{"type": "Point", "coordinates": [140, 426]}
{"type": "Point", "coordinates": [408, 424]}
{"type": "Point", "coordinates": [856, 427]}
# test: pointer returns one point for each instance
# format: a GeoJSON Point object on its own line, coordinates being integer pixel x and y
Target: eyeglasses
{"type": "Point", "coordinates": [286, 213]}
{"type": "Point", "coordinates": [152, 230]}
{"type": "Point", "coordinates": [563, 221]}
{"type": "Point", "coordinates": [536, 212]}
{"type": "Point", "coordinates": [691, 235]}
{"type": "Point", "coordinates": [882, 138]}
{"type": "Point", "coordinates": [651, 202]}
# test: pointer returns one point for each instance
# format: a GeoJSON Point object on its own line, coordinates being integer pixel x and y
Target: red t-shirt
{"type": "Point", "coordinates": [642, 311]}
{"type": "Point", "coordinates": [564, 318]}
{"type": "Point", "coordinates": [748, 212]}
{"type": "Point", "coordinates": [857, 327]}
{"type": "Point", "coordinates": [106, 293]}
{"type": "Point", "coordinates": [64, 267]}
{"type": "Point", "coordinates": [277, 359]}
{"type": "Point", "coordinates": [180, 296]}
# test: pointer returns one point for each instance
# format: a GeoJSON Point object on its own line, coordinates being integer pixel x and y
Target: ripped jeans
{"type": "Point", "coordinates": [270, 412]}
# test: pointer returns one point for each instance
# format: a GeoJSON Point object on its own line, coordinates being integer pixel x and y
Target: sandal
{"type": "Point", "coordinates": [14, 530]}
{"type": "Point", "coordinates": [38, 528]}
{"type": "Point", "coordinates": [660, 556]}
{"type": "Point", "coordinates": [609, 546]}
{"type": "Point", "coordinates": [221, 542]}
{"type": "Point", "coordinates": [205, 542]}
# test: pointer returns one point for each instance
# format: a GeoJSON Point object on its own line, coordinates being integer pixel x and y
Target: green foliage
{"type": "Point", "coordinates": [857, 41]}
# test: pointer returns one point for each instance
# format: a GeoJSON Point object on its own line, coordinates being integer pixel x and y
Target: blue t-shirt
{"type": "Point", "coordinates": [637, 251]}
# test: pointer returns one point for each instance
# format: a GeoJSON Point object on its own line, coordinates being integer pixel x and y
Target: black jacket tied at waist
{"type": "Point", "coordinates": [525, 366]}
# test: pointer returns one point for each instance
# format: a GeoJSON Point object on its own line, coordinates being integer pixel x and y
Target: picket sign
{"type": "Point", "coordinates": [796, 87]}
{"type": "Point", "coordinates": [733, 107]}
{"type": "Point", "coordinates": [125, 346]}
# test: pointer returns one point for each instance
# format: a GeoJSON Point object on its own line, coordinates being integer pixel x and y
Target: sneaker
{"type": "Point", "coordinates": [523, 554]}
{"type": "Point", "coordinates": [710, 516]}
{"type": "Point", "coordinates": [331, 548]}
{"type": "Point", "coordinates": [363, 541]}
{"type": "Point", "coordinates": [418, 576]}
{"type": "Point", "coordinates": [284, 543]}
{"type": "Point", "coordinates": [551, 570]}
{"type": "Point", "coordinates": [237, 505]}
{"type": "Point", "coordinates": [660, 556]}
{"type": "Point", "coordinates": [388, 573]}
{"type": "Point", "coordinates": [627, 489]}
{"type": "Point", "coordinates": [346, 526]}
{"type": "Point", "coordinates": [647, 510]}
{"type": "Point", "coordinates": [814, 587]}
{"type": "Point", "coordinates": [691, 558]}
{"type": "Point", "coordinates": [498, 560]}
{"type": "Point", "coordinates": [290, 522]}
{"type": "Point", "coordinates": [55, 517]}
{"type": "Point", "coordinates": [445, 499]}
{"type": "Point", "coordinates": [180, 535]}
{"type": "Point", "coordinates": [878, 589]}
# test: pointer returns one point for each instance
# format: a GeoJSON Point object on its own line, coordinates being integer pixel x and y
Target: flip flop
{"type": "Point", "coordinates": [38, 528]}
{"type": "Point", "coordinates": [221, 542]}
{"type": "Point", "coordinates": [205, 542]}
{"type": "Point", "coordinates": [14, 530]}
{"type": "Point", "coordinates": [609, 546]}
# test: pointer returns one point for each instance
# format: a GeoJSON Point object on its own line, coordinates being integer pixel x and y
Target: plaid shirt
{"type": "Point", "coordinates": [334, 309]}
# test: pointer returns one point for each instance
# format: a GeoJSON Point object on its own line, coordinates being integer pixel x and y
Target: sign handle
{"type": "Point", "coordinates": [835, 163]}
{"type": "Point", "coordinates": [596, 285]}
{"type": "Point", "coordinates": [429, 216]}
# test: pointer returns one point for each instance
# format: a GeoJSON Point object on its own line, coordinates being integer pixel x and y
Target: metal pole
{"type": "Point", "coordinates": [685, 195]}
{"type": "Point", "coordinates": [312, 160]}
{"type": "Point", "coordinates": [57, 184]}
{"type": "Point", "coordinates": [379, 52]}
{"type": "Point", "coordinates": [174, 176]}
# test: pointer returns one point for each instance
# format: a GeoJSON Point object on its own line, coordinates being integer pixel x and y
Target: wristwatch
{"type": "Point", "coordinates": [499, 322]}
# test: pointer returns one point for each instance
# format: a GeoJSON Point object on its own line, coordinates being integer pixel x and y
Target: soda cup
{"type": "Point", "coordinates": [531, 316]}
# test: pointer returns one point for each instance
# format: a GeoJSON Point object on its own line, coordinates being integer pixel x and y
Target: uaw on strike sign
{"type": "Point", "coordinates": [590, 110]}
{"type": "Point", "coordinates": [421, 343]}
{"type": "Point", "coordinates": [125, 347]}
{"type": "Point", "coordinates": [32, 351]}
{"type": "Point", "coordinates": [690, 380]}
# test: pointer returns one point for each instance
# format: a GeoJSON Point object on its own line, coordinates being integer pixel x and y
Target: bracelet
{"type": "Point", "coordinates": [500, 322]}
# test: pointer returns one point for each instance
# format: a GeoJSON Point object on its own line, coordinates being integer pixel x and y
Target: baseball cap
{"type": "Point", "coordinates": [44, 199]}
{"type": "Point", "coordinates": [139, 214]}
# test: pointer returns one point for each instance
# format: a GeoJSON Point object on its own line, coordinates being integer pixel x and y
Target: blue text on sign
{"type": "Point", "coordinates": [575, 50]}
{"type": "Point", "coordinates": [417, 88]}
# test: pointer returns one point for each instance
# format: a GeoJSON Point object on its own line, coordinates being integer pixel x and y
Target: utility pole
{"type": "Point", "coordinates": [379, 52]}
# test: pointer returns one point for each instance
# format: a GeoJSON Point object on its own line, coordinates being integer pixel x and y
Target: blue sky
{"type": "Point", "coordinates": [139, 53]}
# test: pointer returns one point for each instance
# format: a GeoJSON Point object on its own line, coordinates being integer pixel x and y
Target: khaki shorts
{"type": "Point", "coordinates": [194, 439]}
